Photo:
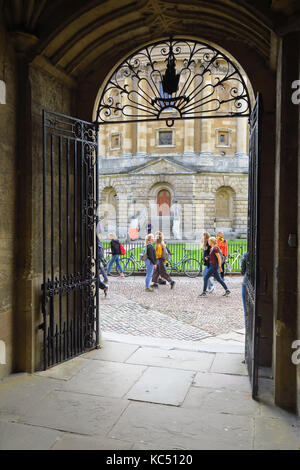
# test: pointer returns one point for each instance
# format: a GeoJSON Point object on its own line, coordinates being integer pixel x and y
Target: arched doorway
{"type": "Point", "coordinates": [176, 89]}
{"type": "Point", "coordinates": [163, 203]}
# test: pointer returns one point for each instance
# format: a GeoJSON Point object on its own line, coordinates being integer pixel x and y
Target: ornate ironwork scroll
{"type": "Point", "coordinates": [70, 251]}
{"type": "Point", "coordinates": [174, 79]}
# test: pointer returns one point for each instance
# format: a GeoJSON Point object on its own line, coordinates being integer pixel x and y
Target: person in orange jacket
{"type": "Point", "coordinates": [222, 244]}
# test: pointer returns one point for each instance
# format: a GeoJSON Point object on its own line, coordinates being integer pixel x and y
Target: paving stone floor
{"type": "Point", "coordinates": [145, 393]}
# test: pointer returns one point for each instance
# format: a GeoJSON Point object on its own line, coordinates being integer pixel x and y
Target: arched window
{"type": "Point", "coordinates": [163, 202]}
{"type": "Point", "coordinates": [224, 206]}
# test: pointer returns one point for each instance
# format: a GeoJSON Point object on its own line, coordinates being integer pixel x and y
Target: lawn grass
{"type": "Point", "coordinates": [178, 249]}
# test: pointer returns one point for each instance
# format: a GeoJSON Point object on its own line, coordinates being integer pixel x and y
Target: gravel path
{"type": "Point", "coordinates": [214, 314]}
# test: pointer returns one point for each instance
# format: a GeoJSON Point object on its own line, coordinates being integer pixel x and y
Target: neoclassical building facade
{"type": "Point", "coordinates": [183, 179]}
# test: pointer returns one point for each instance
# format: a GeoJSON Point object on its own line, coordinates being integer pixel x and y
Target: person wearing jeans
{"type": "Point", "coordinates": [150, 261]}
{"type": "Point", "coordinates": [206, 251]}
{"type": "Point", "coordinates": [115, 251]}
{"type": "Point", "coordinates": [215, 267]}
{"type": "Point", "coordinates": [243, 271]}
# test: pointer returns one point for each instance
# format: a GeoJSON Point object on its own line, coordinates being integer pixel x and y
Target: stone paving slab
{"type": "Point", "coordinates": [186, 360]}
{"type": "Point", "coordinates": [64, 371]}
{"type": "Point", "coordinates": [76, 413]}
{"type": "Point", "coordinates": [232, 336]}
{"type": "Point", "coordinates": [15, 436]}
{"type": "Point", "coordinates": [276, 434]}
{"type": "Point", "coordinates": [112, 352]}
{"type": "Point", "coordinates": [222, 381]}
{"type": "Point", "coordinates": [75, 442]}
{"type": "Point", "coordinates": [213, 346]}
{"type": "Point", "coordinates": [19, 392]}
{"type": "Point", "coordinates": [222, 401]}
{"type": "Point", "coordinates": [171, 427]}
{"type": "Point", "coordinates": [103, 378]}
{"type": "Point", "coordinates": [160, 385]}
{"type": "Point", "coordinates": [229, 364]}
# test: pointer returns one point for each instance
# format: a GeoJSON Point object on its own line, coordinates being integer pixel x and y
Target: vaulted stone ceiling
{"type": "Point", "coordinates": [75, 36]}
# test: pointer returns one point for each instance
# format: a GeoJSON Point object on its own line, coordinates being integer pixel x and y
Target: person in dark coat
{"type": "Point", "coordinates": [115, 251]}
{"type": "Point", "coordinates": [151, 261]}
{"type": "Point", "coordinates": [206, 253]}
{"type": "Point", "coordinates": [102, 261]}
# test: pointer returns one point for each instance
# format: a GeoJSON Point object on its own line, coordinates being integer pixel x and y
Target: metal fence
{"type": "Point", "coordinates": [236, 249]}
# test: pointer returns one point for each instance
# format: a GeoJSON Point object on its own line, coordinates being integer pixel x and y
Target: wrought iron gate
{"type": "Point", "coordinates": [252, 317]}
{"type": "Point", "coordinates": [70, 252]}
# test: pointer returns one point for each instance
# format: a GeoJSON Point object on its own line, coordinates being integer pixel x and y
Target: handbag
{"type": "Point", "coordinates": [122, 249]}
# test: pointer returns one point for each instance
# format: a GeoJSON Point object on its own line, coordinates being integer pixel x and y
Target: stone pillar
{"type": "Point", "coordinates": [142, 126]}
{"type": "Point", "coordinates": [127, 128]}
{"type": "Point", "coordinates": [206, 137]}
{"type": "Point", "coordinates": [189, 133]}
{"type": "Point", "coordinates": [27, 282]}
{"type": "Point", "coordinates": [241, 137]}
{"type": "Point", "coordinates": [286, 194]}
{"type": "Point", "coordinates": [189, 129]}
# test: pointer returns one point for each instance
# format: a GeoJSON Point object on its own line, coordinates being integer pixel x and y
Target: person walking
{"type": "Point", "coordinates": [244, 272]}
{"type": "Point", "coordinates": [206, 251]}
{"type": "Point", "coordinates": [115, 251]}
{"type": "Point", "coordinates": [150, 261]}
{"type": "Point", "coordinates": [161, 253]}
{"type": "Point", "coordinates": [215, 267]}
{"type": "Point", "coordinates": [102, 261]}
{"type": "Point", "coordinates": [149, 228]}
{"type": "Point", "coordinates": [223, 245]}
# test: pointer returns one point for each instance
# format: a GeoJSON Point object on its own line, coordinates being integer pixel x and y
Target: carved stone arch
{"type": "Point", "coordinates": [158, 186]}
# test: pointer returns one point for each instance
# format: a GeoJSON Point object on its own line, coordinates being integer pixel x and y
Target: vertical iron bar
{"type": "Point", "coordinates": [68, 233]}
{"type": "Point", "coordinates": [44, 240]}
{"type": "Point", "coordinates": [81, 243]}
{"type": "Point", "coordinates": [60, 242]}
{"type": "Point", "coordinates": [52, 246]}
{"type": "Point", "coordinates": [96, 241]}
{"type": "Point", "coordinates": [75, 245]}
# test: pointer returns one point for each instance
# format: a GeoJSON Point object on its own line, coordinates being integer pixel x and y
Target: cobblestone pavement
{"type": "Point", "coordinates": [177, 313]}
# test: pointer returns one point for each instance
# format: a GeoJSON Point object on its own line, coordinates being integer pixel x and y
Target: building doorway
{"type": "Point", "coordinates": [185, 95]}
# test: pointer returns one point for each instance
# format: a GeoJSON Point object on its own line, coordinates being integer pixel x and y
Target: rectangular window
{"type": "Point", "coordinates": [115, 142]}
{"type": "Point", "coordinates": [222, 138]}
{"type": "Point", "coordinates": [165, 138]}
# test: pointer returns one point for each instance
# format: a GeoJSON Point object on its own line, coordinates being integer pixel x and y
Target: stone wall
{"type": "Point", "coordinates": [195, 195]}
{"type": "Point", "coordinates": [8, 211]}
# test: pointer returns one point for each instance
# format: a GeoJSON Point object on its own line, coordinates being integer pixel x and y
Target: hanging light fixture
{"type": "Point", "coordinates": [170, 80]}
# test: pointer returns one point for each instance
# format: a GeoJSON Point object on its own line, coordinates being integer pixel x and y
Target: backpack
{"type": "Point", "coordinates": [223, 257]}
{"type": "Point", "coordinates": [165, 254]}
{"type": "Point", "coordinates": [143, 254]}
{"type": "Point", "coordinates": [122, 249]}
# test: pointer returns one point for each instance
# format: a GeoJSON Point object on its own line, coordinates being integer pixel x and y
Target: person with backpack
{"type": "Point", "coordinates": [149, 256]}
{"type": "Point", "coordinates": [215, 267]}
{"type": "Point", "coordinates": [162, 256]}
{"type": "Point", "coordinates": [206, 251]}
{"type": "Point", "coordinates": [223, 245]}
{"type": "Point", "coordinates": [115, 247]}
